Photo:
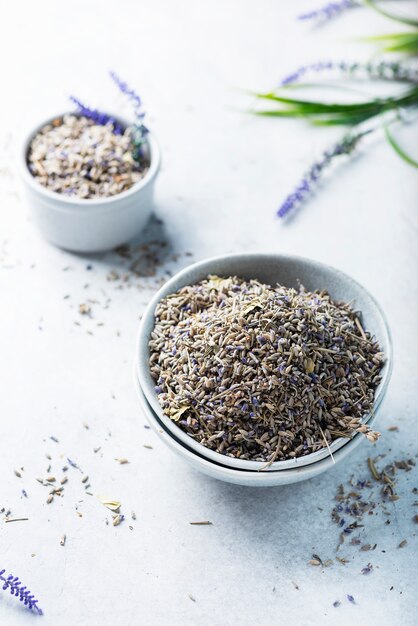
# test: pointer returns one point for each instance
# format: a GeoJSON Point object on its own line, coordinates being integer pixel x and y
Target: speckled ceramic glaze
{"type": "Point", "coordinates": [271, 269]}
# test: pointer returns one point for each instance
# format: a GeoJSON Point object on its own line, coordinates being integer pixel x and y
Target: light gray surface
{"type": "Point", "coordinates": [223, 174]}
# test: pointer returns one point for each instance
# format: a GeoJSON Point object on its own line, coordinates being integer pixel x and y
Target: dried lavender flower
{"type": "Point", "coordinates": [346, 146]}
{"type": "Point", "coordinates": [14, 585]}
{"type": "Point", "coordinates": [384, 70]}
{"type": "Point", "coordinates": [128, 91]}
{"type": "Point", "coordinates": [138, 130]}
{"type": "Point", "coordinates": [102, 119]}
{"type": "Point", "coordinates": [330, 10]}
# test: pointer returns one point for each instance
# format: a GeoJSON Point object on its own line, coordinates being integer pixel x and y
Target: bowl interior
{"type": "Point", "coordinates": [290, 271]}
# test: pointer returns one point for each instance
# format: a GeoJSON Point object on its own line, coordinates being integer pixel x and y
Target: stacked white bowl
{"type": "Point", "coordinates": [289, 271]}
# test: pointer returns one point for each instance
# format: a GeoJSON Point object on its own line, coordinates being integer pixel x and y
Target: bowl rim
{"type": "Point", "coordinates": [252, 478]}
{"type": "Point", "coordinates": [72, 202]}
{"type": "Point", "coordinates": [142, 344]}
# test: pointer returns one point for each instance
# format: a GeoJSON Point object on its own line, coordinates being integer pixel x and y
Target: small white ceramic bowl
{"type": "Point", "coordinates": [83, 225]}
{"type": "Point", "coordinates": [241, 476]}
{"type": "Point", "coordinates": [271, 269]}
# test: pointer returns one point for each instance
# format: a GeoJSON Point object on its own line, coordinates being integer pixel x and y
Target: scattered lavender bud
{"type": "Point", "coordinates": [118, 519]}
{"type": "Point", "coordinates": [351, 599]}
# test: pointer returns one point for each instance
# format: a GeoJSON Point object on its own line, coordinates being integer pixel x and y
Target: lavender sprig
{"type": "Point", "coordinates": [330, 10]}
{"type": "Point", "coordinates": [14, 584]}
{"type": "Point", "coordinates": [344, 147]}
{"type": "Point", "coordinates": [384, 70]}
{"type": "Point", "coordinates": [138, 129]}
{"type": "Point", "coordinates": [99, 118]}
{"type": "Point", "coordinates": [128, 91]}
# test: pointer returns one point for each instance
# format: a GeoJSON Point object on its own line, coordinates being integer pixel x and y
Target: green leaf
{"type": "Point", "coordinates": [391, 16]}
{"type": "Point", "coordinates": [315, 106]}
{"type": "Point", "coordinates": [410, 48]}
{"type": "Point", "coordinates": [347, 120]}
{"type": "Point", "coordinates": [388, 36]}
{"type": "Point", "coordinates": [406, 43]}
{"type": "Point", "coordinates": [399, 151]}
{"type": "Point", "coordinates": [323, 113]}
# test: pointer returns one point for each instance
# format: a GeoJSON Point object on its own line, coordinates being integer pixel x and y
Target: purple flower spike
{"type": "Point", "coordinates": [345, 147]}
{"type": "Point", "coordinates": [14, 585]}
{"type": "Point", "coordinates": [382, 70]}
{"type": "Point", "coordinates": [330, 10]}
{"type": "Point", "coordinates": [138, 129]}
{"type": "Point", "coordinates": [304, 69]}
{"type": "Point", "coordinates": [93, 114]}
{"type": "Point", "coordinates": [131, 93]}
{"type": "Point", "coordinates": [351, 599]}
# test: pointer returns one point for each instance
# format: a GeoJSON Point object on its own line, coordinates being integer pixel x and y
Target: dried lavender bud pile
{"type": "Point", "coordinates": [76, 157]}
{"type": "Point", "coordinates": [262, 373]}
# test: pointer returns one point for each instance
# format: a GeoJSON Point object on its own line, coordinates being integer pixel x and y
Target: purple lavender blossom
{"type": "Point", "coordinates": [138, 129]}
{"type": "Point", "coordinates": [73, 464]}
{"type": "Point", "coordinates": [345, 147]}
{"type": "Point", "coordinates": [330, 10]}
{"type": "Point", "coordinates": [295, 76]}
{"type": "Point", "coordinates": [102, 119]}
{"type": "Point", "coordinates": [351, 599]}
{"type": "Point", "coordinates": [384, 70]}
{"type": "Point", "coordinates": [131, 93]}
{"type": "Point", "coordinates": [13, 583]}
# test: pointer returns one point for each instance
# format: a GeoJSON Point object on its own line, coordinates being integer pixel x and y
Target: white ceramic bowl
{"type": "Point", "coordinates": [240, 476]}
{"type": "Point", "coordinates": [83, 225]}
{"type": "Point", "coordinates": [272, 269]}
